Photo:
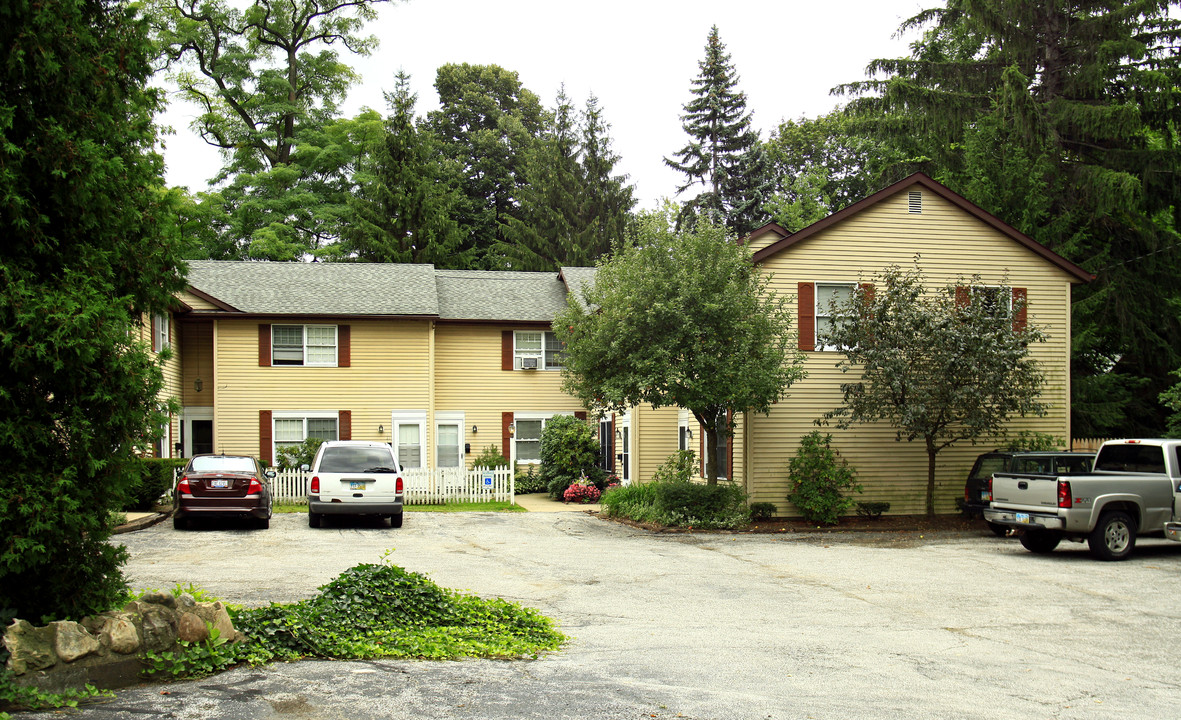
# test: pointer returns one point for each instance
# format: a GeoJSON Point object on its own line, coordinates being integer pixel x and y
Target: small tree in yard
{"type": "Point", "coordinates": [820, 477]}
{"type": "Point", "coordinates": [569, 450]}
{"type": "Point", "coordinates": [679, 319]}
{"type": "Point", "coordinates": [940, 367]}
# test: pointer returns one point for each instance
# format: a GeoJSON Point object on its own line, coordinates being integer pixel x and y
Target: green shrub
{"type": "Point", "coordinates": [762, 511]}
{"type": "Point", "coordinates": [671, 500]}
{"type": "Point", "coordinates": [569, 450]}
{"type": "Point", "coordinates": [293, 457]}
{"type": "Point", "coordinates": [490, 457]}
{"type": "Point", "coordinates": [151, 478]}
{"type": "Point", "coordinates": [678, 467]}
{"type": "Point", "coordinates": [819, 479]}
{"type": "Point", "coordinates": [528, 480]}
{"type": "Point", "coordinates": [1026, 440]}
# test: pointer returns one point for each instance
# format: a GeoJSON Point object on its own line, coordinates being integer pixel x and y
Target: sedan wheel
{"type": "Point", "coordinates": [179, 523]}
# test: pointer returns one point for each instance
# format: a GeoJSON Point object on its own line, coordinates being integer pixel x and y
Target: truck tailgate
{"type": "Point", "coordinates": [1032, 492]}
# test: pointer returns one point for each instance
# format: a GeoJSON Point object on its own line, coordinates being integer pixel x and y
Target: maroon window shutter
{"type": "Point", "coordinates": [264, 345]}
{"type": "Point", "coordinates": [506, 350]}
{"type": "Point", "coordinates": [963, 296]}
{"type": "Point", "coordinates": [867, 291]}
{"type": "Point", "coordinates": [345, 423]}
{"type": "Point", "coordinates": [806, 295]}
{"type": "Point", "coordinates": [701, 443]}
{"type": "Point", "coordinates": [580, 414]}
{"type": "Point", "coordinates": [264, 437]}
{"type": "Point", "coordinates": [506, 419]}
{"type": "Point", "coordinates": [1021, 302]}
{"type": "Point", "coordinates": [344, 345]}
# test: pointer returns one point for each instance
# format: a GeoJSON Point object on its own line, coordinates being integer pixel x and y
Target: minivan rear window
{"type": "Point", "coordinates": [347, 459]}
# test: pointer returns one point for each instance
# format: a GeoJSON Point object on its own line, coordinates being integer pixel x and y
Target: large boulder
{"type": "Point", "coordinates": [29, 648]}
{"type": "Point", "coordinates": [71, 641]}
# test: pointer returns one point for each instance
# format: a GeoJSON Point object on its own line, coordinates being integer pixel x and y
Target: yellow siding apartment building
{"type": "Point", "coordinates": [443, 363]}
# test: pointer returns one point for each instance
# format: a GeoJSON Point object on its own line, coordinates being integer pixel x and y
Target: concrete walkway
{"type": "Point", "coordinates": [541, 502]}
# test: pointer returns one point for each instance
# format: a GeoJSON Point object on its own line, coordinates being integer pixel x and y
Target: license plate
{"type": "Point", "coordinates": [219, 483]}
{"type": "Point", "coordinates": [356, 485]}
{"type": "Point", "coordinates": [1023, 517]}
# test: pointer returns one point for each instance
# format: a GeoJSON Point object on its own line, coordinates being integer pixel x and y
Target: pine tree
{"type": "Point", "coordinates": [1060, 119]}
{"type": "Point", "coordinates": [607, 199]}
{"type": "Point", "coordinates": [402, 211]}
{"type": "Point", "coordinates": [549, 215]}
{"type": "Point", "coordinates": [722, 147]}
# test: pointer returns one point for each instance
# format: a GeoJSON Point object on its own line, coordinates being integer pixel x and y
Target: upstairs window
{"type": "Point", "coordinates": [310, 345]}
{"type": "Point", "coordinates": [536, 350]}
{"type": "Point", "coordinates": [826, 294]}
{"type": "Point", "coordinates": [160, 332]}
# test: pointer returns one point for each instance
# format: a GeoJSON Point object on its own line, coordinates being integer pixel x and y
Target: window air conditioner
{"type": "Point", "coordinates": [529, 363]}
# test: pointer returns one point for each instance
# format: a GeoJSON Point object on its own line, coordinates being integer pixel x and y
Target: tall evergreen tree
{"type": "Point", "coordinates": [549, 216]}
{"type": "Point", "coordinates": [402, 211]}
{"type": "Point", "coordinates": [89, 248]}
{"type": "Point", "coordinates": [486, 124]}
{"type": "Point", "coordinates": [1061, 119]}
{"type": "Point", "coordinates": [572, 205]}
{"type": "Point", "coordinates": [608, 199]}
{"type": "Point", "coordinates": [723, 147]}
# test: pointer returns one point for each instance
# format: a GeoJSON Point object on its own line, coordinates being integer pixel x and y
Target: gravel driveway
{"type": "Point", "coordinates": [702, 625]}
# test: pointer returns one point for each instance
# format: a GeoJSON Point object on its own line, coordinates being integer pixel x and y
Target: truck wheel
{"type": "Point", "coordinates": [313, 519]}
{"type": "Point", "coordinates": [396, 520]}
{"type": "Point", "coordinates": [1114, 536]}
{"type": "Point", "coordinates": [998, 529]}
{"type": "Point", "coordinates": [1040, 541]}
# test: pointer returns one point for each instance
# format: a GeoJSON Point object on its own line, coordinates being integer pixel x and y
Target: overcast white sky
{"type": "Point", "coordinates": [637, 56]}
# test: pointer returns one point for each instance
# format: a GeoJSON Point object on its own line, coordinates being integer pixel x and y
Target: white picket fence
{"type": "Point", "coordinates": [422, 486]}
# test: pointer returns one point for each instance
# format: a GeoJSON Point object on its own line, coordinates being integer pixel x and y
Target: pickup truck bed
{"type": "Point", "coordinates": [1133, 491]}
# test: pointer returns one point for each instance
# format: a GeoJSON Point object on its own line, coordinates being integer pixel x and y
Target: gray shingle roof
{"type": "Point", "coordinates": [577, 279]}
{"type": "Point", "coordinates": [318, 288]}
{"type": "Point", "coordinates": [277, 288]}
{"type": "Point", "coordinates": [494, 295]}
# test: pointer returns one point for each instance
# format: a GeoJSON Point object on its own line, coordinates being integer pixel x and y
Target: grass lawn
{"type": "Point", "coordinates": [449, 507]}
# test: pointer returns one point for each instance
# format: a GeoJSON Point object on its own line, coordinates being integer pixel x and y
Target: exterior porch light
{"type": "Point", "coordinates": [197, 385]}
{"type": "Point", "coordinates": [381, 429]}
{"type": "Point", "coordinates": [512, 429]}
{"type": "Point", "coordinates": [474, 428]}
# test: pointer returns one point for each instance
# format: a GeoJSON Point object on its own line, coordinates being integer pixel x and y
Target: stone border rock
{"type": "Point", "coordinates": [104, 650]}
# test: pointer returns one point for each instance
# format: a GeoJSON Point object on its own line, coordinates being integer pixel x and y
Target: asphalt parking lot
{"type": "Point", "coordinates": [701, 625]}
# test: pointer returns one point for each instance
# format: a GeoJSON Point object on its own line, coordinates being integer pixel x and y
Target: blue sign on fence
{"type": "Point", "coordinates": [487, 479]}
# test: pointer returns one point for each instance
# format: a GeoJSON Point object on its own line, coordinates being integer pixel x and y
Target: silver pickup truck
{"type": "Point", "coordinates": [1135, 489]}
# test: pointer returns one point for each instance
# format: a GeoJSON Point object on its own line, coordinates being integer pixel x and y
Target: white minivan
{"type": "Point", "coordinates": [355, 477]}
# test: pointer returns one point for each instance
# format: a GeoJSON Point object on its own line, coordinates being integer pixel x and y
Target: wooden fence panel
{"type": "Point", "coordinates": [421, 486]}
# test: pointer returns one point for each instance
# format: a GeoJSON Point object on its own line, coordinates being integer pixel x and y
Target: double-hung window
{"type": "Point", "coordinates": [536, 349]}
{"type": "Point", "coordinates": [826, 295]}
{"type": "Point", "coordinates": [528, 440]}
{"type": "Point", "coordinates": [310, 345]}
{"type": "Point", "coordinates": [160, 332]}
{"type": "Point", "coordinates": [291, 429]}
{"type": "Point", "coordinates": [997, 302]}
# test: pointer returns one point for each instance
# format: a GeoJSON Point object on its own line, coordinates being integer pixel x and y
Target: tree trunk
{"type": "Point", "coordinates": [931, 452]}
{"type": "Point", "coordinates": [711, 453]}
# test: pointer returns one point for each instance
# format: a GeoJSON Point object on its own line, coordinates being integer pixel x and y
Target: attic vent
{"type": "Point", "coordinates": [916, 202]}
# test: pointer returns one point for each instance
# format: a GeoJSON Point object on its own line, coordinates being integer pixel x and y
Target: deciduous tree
{"type": "Point", "coordinates": [89, 247]}
{"type": "Point", "coordinates": [940, 365]}
{"type": "Point", "coordinates": [680, 319]}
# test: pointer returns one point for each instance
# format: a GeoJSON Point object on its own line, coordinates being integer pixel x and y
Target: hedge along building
{"type": "Point", "coordinates": [441, 363]}
{"type": "Point", "coordinates": [953, 240]}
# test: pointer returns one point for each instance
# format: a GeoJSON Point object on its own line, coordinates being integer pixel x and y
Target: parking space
{"type": "Point", "coordinates": [702, 625]}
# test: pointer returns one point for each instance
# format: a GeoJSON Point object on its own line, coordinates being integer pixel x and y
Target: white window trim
{"type": "Point", "coordinates": [539, 354]}
{"type": "Point", "coordinates": [449, 417]}
{"type": "Point", "coordinates": [623, 450]}
{"type": "Point", "coordinates": [304, 415]}
{"type": "Point", "coordinates": [162, 337]}
{"type": "Point", "coordinates": [683, 428]}
{"type": "Point", "coordinates": [532, 415]}
{"type": "Point", "coordinates": [304, 329]}
{"type": "Point", "coordinates": [821, 310]}
{"type": "Point", "coordinates": [410, 417]}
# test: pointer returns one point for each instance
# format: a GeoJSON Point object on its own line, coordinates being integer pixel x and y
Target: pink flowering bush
{"type": "Point", "coordinates": [579, 493]}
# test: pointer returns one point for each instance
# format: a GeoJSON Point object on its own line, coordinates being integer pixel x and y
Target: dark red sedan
{"type": "Point", "coordinates": [222, 486]}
